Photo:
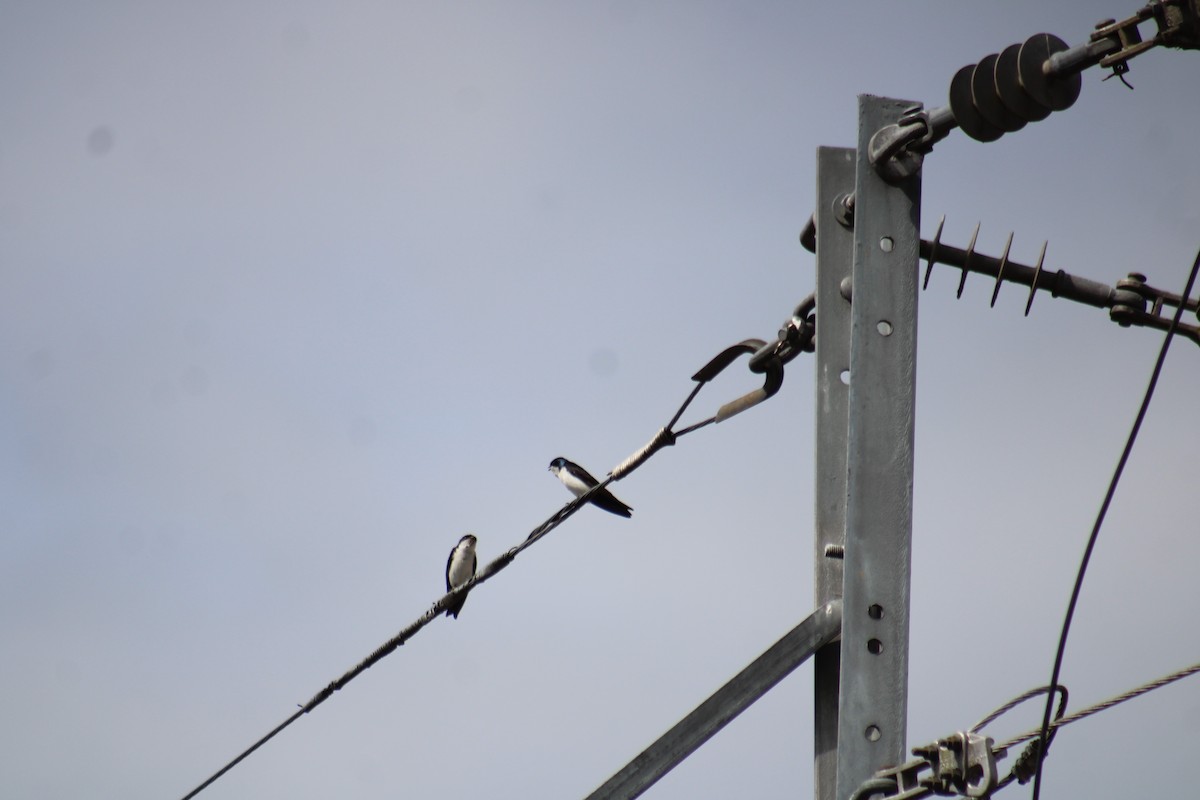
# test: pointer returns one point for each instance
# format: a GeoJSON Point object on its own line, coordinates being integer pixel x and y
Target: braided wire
{"type": "Point", "coordinates": [1107, 704]}
{"type": "Point", "coordinates": [663, 438]}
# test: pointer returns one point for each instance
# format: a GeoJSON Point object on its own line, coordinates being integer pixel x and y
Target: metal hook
{"type": "Point", "coordinates": [773, 368]}
{"type": "Point", "coordinates": [771, 362]}
{"type": "Point", "coordinates": [890, 151]}
{"type": "Point", "coordinates": [933, 248]}
{"type": "Point", "coordinates": [795, 337]}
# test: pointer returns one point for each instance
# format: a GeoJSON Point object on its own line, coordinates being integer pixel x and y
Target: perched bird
{"type": "Point", "coordinates": [577, 479]}
{"type": "Point", "coordinates": [460, 568]}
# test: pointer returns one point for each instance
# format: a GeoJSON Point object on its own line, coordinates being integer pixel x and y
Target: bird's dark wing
{"type": "Point", "coordinates": [581, 473]}
{"type": "Point", "coordinates": [455, 606]}
{"type": "Point", "coordinates": [606, 500]}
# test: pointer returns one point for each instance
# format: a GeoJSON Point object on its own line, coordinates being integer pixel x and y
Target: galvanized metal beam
{"type": "Point", "coordinates": [822, 626]}
{"type": "Point", "coordinates": [835, 251]}
{"type": "Point", "coordinates": [874, 670]}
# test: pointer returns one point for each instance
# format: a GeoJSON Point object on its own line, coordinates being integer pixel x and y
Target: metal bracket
{"type": "Point", "coordinates": [1127, 313]}
{"type": "Point", "coordinates": [963, 764]}
{"type": "Point", "coordinates": [1178, 24]}
{"type": "Point", "coordinates": [795, 337]}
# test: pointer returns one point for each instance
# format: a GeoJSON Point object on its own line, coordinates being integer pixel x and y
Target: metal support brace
{"type": "Point", "coordinates": [820, 628]}
{"type": "Point", "coordinates": [874, 668]}
{"type": "Point", "coordinates": [835, 250]}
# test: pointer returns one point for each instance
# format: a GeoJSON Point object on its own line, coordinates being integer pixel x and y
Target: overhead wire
{"type": "Point", "coordinates": [1021, 698]}
{"type": "Point", "coordinates": [767, 358]}
{"type": "Point", "coordinates": [1108, 496]}
{"type": "Point", "coordinates": [1124, 697]}
{"type": "Point", "coordinates": [1020, 769]}
{"type": "Point", "coordinates": [885, 783]}
{"type": "Point", "coordinates": [666, 437]}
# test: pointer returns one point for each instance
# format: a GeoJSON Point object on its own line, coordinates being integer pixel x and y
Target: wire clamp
{"type": "Point", "coordinates": [963, 764]}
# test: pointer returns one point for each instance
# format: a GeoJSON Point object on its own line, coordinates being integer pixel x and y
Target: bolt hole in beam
{"type": "Point", "coordinates": [844, 375]}
{"type": "Point", "coordinates": [874, 647]}
{"type": "Point", "coordinates": [884, 327]}
{"type": "Point", "coordinates": [872, 733]}
{"type": "Point", "coordinates": [875, 611]}
{"type": "Point", "coordinates": [886, 244]}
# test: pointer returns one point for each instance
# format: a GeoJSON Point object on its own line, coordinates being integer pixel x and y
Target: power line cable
{"type": "Point", "coordinates": [1020, 770]}
{"type": "Point", "coordinates": [1016, 701]}
{"type": "Point", "coordinates": [1084, 713]}
{"type": "Point", "coordinates": [1108, 496]}
{"type": "Point", "coordinates": [949, 777]}
{"type": "Point", "coordinates": [768, 359]}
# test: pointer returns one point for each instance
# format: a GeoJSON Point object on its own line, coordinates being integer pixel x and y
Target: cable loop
{"type": "Point", "coordinates": [1016, 701]}
{"type": "Point", "coordinates": [772, 367]}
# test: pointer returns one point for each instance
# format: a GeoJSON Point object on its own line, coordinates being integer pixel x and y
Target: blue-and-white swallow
{"type": "Point", "coordinates": [578, 480]}
{"type": "Point", "coordinates": [460, 568]}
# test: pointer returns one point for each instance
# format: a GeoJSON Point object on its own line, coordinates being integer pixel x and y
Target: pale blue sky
{"type": "Point", "coordinates": [293, 294]}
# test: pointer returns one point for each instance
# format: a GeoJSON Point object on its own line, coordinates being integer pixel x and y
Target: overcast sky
{"type": "Point", "coordinates": [292, 295]}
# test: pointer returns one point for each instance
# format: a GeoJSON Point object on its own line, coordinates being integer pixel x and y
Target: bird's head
{"type": "Point", "coordinates": [557, 464]}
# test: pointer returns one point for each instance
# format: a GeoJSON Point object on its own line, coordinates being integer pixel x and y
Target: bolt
{"type": "Point", "coordinates": [843, 210]}
{"type": "Point", "coordinates": [835, 551]}
{"type": "Point", "coordinates": [846, 288]}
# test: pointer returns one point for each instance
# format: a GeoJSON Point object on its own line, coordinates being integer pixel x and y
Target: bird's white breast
{"type": "Point", "coordinates": [460, 565]}
{"type": "Point", "coordinates": [576, 486]}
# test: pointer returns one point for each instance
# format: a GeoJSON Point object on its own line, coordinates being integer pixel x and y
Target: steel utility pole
{"type": "Point", "coordinates": [867, 241]}
{"type": "Point", "coordinates": [863, 493]}
{"type": "Point", "coordinates": [878, 437]}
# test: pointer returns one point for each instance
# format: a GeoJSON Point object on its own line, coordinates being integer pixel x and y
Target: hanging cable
{"type": "Point", "coordinates": [1091, 544]}
{"type": "Point", "coordinates": [1016, 701]}
{"type": "Point", "coordinates": [964, 763]}
{"type": "Point", "coordinates": [1022, 765]}
{"type": "Point", "coordinates": [245, 753]}
{"type": "Point", "coordinates": [768, 359]}
{"type": "Point", "coordinates": [1084, 713]}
